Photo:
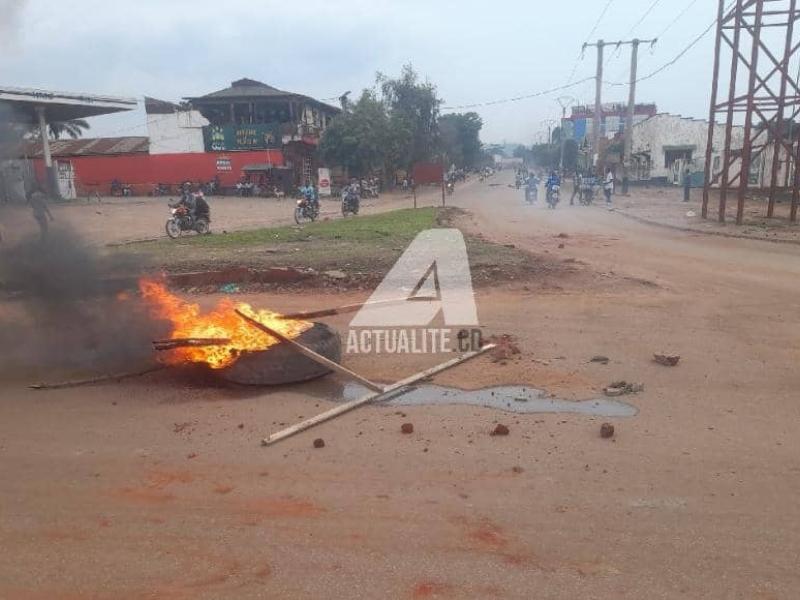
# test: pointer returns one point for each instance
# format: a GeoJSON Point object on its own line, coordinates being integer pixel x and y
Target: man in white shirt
{"type": "Point", "coordinates": [608, 187]}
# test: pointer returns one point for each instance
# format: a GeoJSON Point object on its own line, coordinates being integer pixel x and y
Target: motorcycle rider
{"type": "Point", "coordinates": [310, 194]}
{"type": "Point", "coordinates": [552, 181]}
{"type": "Point", "coordinates": [532, 188]}
{"type": "Point", "coordinates": [352, 193]}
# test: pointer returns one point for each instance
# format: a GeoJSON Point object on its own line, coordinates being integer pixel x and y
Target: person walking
{"type": "Point", "coordinates": [577, 188]}
{"type": "Point", "coordinates": [687, 184]}
{"type": "Point", "coordinates": [40, 211]}
{"type": "Point", "coordinates": [608, 186]}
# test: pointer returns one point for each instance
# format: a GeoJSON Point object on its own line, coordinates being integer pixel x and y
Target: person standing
{"type": "Point", "coordinates": [608, 186]}
{"type": "Point", "coordinates": [40, 211]}
{"type": "Point", "coordinates": [687, 184]}
{"type": "Point", "coordinates": [577, 188]}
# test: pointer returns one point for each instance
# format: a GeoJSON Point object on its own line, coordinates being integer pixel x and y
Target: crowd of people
{"type": "Point", "coordinates": [584, 185]}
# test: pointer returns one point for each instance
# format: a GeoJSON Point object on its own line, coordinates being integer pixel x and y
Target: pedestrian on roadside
{"type": "Point", "coordinates": [687, 184]}
{"type": "Point", "coordinates": [608, 187]}
{"type": "Point", "coordinates": [41, 213]}
{"type": "Point", "coordinates": [577, 188]}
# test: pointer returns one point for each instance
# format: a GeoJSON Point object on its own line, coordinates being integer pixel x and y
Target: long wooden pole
{"type": "Point", "coordinates": [366, 399]}
{"type": "Point", "coordinates": [348, 308]}
{"type": "Point", "coordinates": [316, 357]}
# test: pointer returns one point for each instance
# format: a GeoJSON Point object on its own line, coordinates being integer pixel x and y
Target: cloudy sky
{"type": "Point", "coordinates": [474, 51]}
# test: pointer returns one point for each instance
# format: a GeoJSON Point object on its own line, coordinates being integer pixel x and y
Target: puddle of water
{"type": "Point", "coordinates": [517, 399]}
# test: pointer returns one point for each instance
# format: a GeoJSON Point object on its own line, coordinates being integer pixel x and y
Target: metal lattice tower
{"type": "Point", "coordinates": [757, 39]}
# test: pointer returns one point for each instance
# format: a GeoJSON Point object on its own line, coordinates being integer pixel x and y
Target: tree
{"type": "Point", "coordinates": [459, 137]}
{"type": "Point", "coordinates": [413, 109]}
{"type": "Point", "coordinates": [73, 129]}
{"type": "Point", "coordinates": [358, 139]}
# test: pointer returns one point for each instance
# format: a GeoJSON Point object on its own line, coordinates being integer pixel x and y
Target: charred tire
{"type": "Point", "coordinates": [282, 364]}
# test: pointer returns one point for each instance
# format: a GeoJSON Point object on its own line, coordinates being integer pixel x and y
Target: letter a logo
{"type": "Point", "coordinates": [434, 268]}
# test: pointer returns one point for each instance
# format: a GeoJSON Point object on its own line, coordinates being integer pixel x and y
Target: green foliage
{"type": "Point", "coordinates": [392, 126]}
{"type": "Point", "coordinates": [357, 139]}
{"type": "Point", "coordinates": [459, 135]}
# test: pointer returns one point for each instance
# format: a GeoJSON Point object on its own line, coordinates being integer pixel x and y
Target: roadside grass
{"type": "Point", "coordinates": [365, 246]}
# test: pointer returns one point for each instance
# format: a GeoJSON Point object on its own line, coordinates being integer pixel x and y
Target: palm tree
{"type": "Point", "coordinates": [73, 128]}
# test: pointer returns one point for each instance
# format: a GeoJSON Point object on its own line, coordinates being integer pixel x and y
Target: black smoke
{"type": "Point", "coordinates": [67, 308]}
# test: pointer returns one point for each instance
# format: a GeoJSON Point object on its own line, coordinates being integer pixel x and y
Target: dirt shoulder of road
{"type": "Point", "coordinates": [665, 207]}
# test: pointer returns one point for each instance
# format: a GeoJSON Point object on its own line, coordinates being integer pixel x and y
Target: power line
{"type": "Point", "coordinates": [678, 18]}
{"type": "Point", "coordinates": [680, 55]}
{"type": "Point", "coordinates": [644, 16]}
{"type": "Point", "coordinates": [518, 98]}
{"type": "Point", "coordinates": [588, 37]}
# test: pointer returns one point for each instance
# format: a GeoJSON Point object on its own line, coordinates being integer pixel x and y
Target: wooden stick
{"type": "Point", "coordinates": [98, 379]}
{"type": "Point", "coordinates": [318, 358]}
{"type": "Point", "coordinates": [189, 343]}
{"type": "Point", "coordinates": [347, 308]}
{"type": "Point", "coordinates": [348, 406]}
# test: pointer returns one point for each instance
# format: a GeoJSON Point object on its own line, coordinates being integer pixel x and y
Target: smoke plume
{"type": "Point", "coordinates": [66, 313]}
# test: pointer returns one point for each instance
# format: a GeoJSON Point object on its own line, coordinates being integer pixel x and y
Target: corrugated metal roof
{"type": "Point", "coordinates": [90, 146]}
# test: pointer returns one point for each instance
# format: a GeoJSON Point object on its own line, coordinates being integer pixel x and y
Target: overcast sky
{"type": "Point", "coordinates": [473, 51]}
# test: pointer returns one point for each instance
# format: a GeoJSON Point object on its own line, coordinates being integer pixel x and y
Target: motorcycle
{"type": "Point", "coordinates": [181, 221]}
{"type": "Point", "coordinates": [531, 194]}
{"type": "Point", "coordinates": [450, 188]}
{"type": "Point", "coordinates": [350, 203]}
{"type": "Point", "coordinates": [587, 194]}
{"type": "Point", "coordinates": [305, 211]}
{"type": "Point", "coordinates": [553, 194]}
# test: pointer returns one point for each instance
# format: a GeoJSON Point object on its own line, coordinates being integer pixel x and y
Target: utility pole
{"type": "Point", "coordinates": [598, 100]}
{"type": "Point", "coordinates": [598, 106]}
{"type": "Point", "coordinates": [563, 102]}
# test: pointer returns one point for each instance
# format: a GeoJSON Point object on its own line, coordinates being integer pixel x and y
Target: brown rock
{"type": "Point", "coordinates": [500, 429]}
{"type": "Point", "coordinates": [407, 428]}
{"type": "Point", "coordinates": [668, 360]}
{"type": "Point", "coordinates": [319, 443]}
{"type": "Point", "coordinates": [606, 430]}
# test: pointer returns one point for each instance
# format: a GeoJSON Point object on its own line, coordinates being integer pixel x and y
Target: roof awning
{"type": "Point", "coordinates": [58, 106]}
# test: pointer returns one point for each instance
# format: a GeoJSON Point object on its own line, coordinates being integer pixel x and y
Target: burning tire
{"type": "Point", "coordinates": [282, 364]}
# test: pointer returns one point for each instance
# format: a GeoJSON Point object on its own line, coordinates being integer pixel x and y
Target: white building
{"type": "Point", "coordinates": [664, 145]}
{"type": "Point", "coordinates": [174, 129]}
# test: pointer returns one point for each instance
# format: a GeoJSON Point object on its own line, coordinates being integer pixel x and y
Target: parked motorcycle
{"type": "Point", "coordinates": [553, 194]}
{"type": "Point", "coordinates": [305, 211]}
{"type": "Point", "coordinates": [180, 221]}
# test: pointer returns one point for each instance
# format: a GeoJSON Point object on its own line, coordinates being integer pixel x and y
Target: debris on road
{"type": "Point", "coordinates": [606, 430]}
{"type": "Point", "coordinates": [603, 360]}
{"type": "Point", "coordinates": [620, 388]}
{"type": "Point", "coordinates": [500, 429]}
{"type": "Point", "coordinates": [319, 443]}
{"type": "Point", "coordinates": [335, 274]}
{"type": "Point", "coordinates": [505, 347]}
{"type": "Point", "coordinates": [668, 360]}
{"type": "Point", "coordinates": [407, 428]}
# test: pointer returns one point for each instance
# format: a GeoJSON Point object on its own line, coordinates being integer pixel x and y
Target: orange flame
{"type": "Point", "coordinates": [188, 321]}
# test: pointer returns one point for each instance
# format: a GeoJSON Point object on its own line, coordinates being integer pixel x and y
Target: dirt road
{"type": "Point", "coordinates": [120, 220]}
{"type": "Point", "coordinates": [157, 487]}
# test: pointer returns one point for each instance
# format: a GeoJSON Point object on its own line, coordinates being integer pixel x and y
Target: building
{"type": "Point", "coordinates": [665, 145]}
{"type": "Point", "coordinates": [249, 130]}
{"type": "Point", "coordinates": [22, 110]}
{"type": "Point", "coordinates": [250, 115]}
{"type": "Point", "coordinates": [579, 125]}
